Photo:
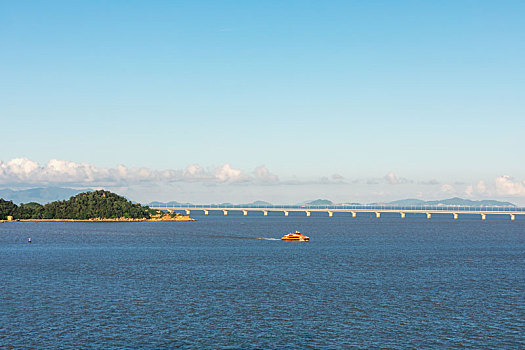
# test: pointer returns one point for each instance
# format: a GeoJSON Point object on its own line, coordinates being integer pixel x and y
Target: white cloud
{"type": "Point", "coordinates": [226, 173]}
{"type": "Point", "coordinates": [506, 186]}
{"type": "Point", "coordinates": [501, 186]}
{"type": "Point", "coordinates": [263, 175]}
{"type": "Point", "coordinates": [448, 189]}
{"type": "Point", "coordinates": [392, 179]}
{"type": "Point", "coordinates": [193, 171]}
{"type": "Point", "coordinates": [481, 187]}
{"type": "Point", "coordinates": [23, 171]}
{"type": "Point", "coordinates": [20, 169]}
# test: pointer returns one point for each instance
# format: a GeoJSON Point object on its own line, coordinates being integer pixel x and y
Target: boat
{"type": "Point", "coordinates": [296, 236]}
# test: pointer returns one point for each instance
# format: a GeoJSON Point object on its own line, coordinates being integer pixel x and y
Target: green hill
{"type": "Point", "coordinates": [89, 205]}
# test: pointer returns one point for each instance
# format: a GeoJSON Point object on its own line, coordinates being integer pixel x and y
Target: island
{"type": "Point", "coordinates": [96, 206]}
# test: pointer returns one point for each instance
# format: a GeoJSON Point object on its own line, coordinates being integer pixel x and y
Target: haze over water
{"type": "Point", "coordinates": [386, 283]}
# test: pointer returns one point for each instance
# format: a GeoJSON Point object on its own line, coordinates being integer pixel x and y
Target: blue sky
{"type": "Point", "coordinates": [330, 96]}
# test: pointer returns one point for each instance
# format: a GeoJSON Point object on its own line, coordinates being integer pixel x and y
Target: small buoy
{"type": "Point", "coordinates": [29, 240]}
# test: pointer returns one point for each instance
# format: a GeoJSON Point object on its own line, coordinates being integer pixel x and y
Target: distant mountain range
{"type": "Point", "coordinates": [49, 194]}
{"type": "Point", "coordinates": [178, 204]}
{"type": "Point", "coordinates": [168, 204]}
{"type": "Point", "coordinates": [319, 202]}
{"type": "Point", "coordinates": [412, 201]}
{"type": "Point", "coordinates": [453, 201]}
{"type": "Point", "coordinates": [39, 195]}
{"type": "Point", "coordinates": [259, 203]}
{"type": "Point", "coordinates": [402, 202]}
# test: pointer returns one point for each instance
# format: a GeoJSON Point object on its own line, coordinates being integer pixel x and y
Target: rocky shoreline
{"type": "Point", "coordinates": [165, 218]}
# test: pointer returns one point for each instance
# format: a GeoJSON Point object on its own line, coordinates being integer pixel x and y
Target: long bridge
{"type": "Point", "coordinates": [377, 210]}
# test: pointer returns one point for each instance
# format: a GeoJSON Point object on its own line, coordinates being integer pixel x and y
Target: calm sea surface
{"type": "Point", "coordinates": [359, 283]}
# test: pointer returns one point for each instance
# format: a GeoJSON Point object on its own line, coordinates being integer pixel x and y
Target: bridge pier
{"type": "Point", "coordinates": [374, 212]}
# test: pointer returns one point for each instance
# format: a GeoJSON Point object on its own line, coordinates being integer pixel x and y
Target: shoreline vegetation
{"type": "Point", "coordinates": [164, 219]}
{"type": "Point", "coordinates": [96, 206]}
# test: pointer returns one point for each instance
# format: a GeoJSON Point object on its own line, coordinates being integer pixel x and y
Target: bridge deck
{"type": "Point", "coordinates": [428, 210]}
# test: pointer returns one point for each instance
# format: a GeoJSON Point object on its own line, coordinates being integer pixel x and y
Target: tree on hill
{"type": "Point", "coordinates": [89, 205]}
{"type": "Point", "coordinates": [97, 204]}
{"type": "Point", "coordinates": [7, 208]}
{"type": "Point", "coordinates": [30, 210]}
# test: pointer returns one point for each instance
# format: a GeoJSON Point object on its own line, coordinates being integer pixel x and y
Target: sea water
{"type": "Point", "coordinates": [359, 283]}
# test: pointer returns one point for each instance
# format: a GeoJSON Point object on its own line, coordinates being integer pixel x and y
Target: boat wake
{"type": "Point", "coordinates": [241, 237]}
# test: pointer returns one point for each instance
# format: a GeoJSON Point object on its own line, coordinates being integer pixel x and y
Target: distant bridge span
{"type": "Point", "coordinates": [376, 210]}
